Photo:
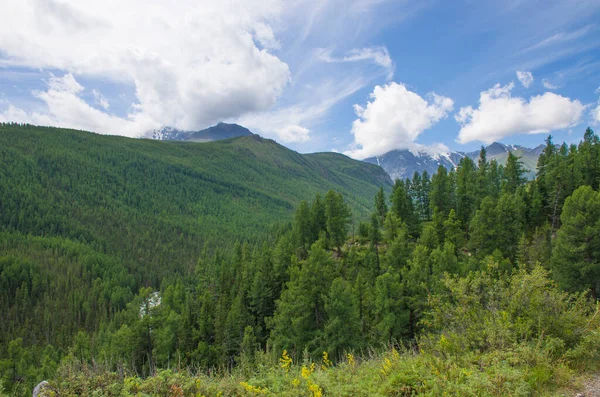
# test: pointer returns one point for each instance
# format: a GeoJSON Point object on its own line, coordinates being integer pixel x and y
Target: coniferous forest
{"type": "Point", "coordinates": [160, 273]}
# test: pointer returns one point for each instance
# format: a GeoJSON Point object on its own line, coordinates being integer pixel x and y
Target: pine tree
{"type": "Point", "coordinates": [466, 194]}
{"type": "Point", "coordinates": [303, 226]}
{"type": "Point", "coordinates": [342, 330]}
{"type": "Point", "coordinates": [300, 315]}
{"type": "Point", "coordinates": [576, 253]}
{"type": "Point", "coordinates": [391, 314]}
{"type": "Point", "coordinates": [483, 228]}
{"type": "Point", "coordinates": [403, 208]}
{"type": "Point", "coordinates": [453, 232]}
{"type": "Point", "coordinates": [381, 208]}
{"type": "Point", "coordinates": [440, 191]}
{"type": "Point", "coordinates": [337, 219]}
{"type": "Point", "coordinates": [513, 174]}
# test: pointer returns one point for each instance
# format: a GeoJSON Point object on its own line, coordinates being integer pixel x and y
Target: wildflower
{"type": "Point", "coordinates": [296, 382]}
{"type": "Point", "coordinates": [386, 368]}
{"type": "Point", "coordinates": [306, 372]}
{"type": "Point", "coordinates": [253, 389]}
{"type": "Point", "coordinates": [315, 390]}
{"type": "Point", "coordinates": [326, 363]}
{"type": "Point", "coordinates": [351, 361]}
{"type": "Point", "coordinates": [286, 361]}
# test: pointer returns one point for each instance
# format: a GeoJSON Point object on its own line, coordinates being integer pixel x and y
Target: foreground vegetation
{"type": "Point", "coordinates": [471, 282]}
{"type": "Point", "coordinates": [486, 336]}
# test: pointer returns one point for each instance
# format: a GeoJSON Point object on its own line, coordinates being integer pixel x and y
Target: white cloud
{"type": "Point", "coordinates": [500, 115]}
{"type": "Point", "coordinates": [377, 55]}
{"type": "Point", "coordinates": [548, 85]}
{"type": "Point", "coordinates": [289, 124]}
{"type": "Point", "coordinates": [65, 108]}
{"type": "Point", "coordinates": [596, 113]}
{"type": "Point", "coordinates": [560, 38]}
{"type": "Point", "coordinates": [526, 78]}
{"type": "Point", "coordinates": [192, 65]}
{"type": "Point", "coordinates": [393, 119]}
{"type": "Point", "coordinates": [100, 100]}
{"type": "Point", "coordinates": [293, 133]}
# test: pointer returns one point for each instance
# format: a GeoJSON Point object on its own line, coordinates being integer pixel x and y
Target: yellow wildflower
{"type": "Point", "coordinates": [351, 361]}
{"type": "Point", "coordinates": [326, 363]}
{"type": "Point", "coordinates": [254, 389]}
{"type": "Point", "coordinates": [306, 372]}
{"type": "Point", "coordinates": [315, 390]}
{"type": "Point", "coordinates": [286, 361]}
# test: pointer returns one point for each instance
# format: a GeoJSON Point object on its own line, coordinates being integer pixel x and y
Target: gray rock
{"type": "Point", "coordinates": [39, 389]}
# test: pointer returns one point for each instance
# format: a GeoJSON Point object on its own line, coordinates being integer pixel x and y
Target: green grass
{"type": "Point", "coordinates": [527, 372]}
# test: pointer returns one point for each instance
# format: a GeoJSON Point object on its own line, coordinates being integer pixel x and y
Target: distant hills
{"type": "Point", "coordinates": [214, 133]}
{"type": "Point", "coordinates": [401, 164]}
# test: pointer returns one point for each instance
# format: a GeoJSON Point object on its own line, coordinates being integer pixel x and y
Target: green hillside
{"type": "Point", "coordinates": [156, 204]}
{"type": "Point", "coordinates": [474, 282]}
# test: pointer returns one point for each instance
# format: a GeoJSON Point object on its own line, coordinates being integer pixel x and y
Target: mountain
{"type": "Point", "coordinates": [214, 133]}
{"type": "Point", "coordinates": [499, 152]}
{"type": "Point", "coordinates": [401, 164]}
{"type": "Point", "coordinates": [151, 203]}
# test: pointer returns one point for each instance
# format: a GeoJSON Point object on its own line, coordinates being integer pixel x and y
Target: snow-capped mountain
{"type": "Point", "coordinates": [214, 133]}
{"type": "Point", "coordinates": [402, 164]}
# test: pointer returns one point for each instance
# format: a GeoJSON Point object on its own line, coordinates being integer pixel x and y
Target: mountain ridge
{"type": "Point", "coordinates": [397, 163]}
{"type": "Point", "coordinates": [403, 163]}
{"type": "Point", "coordinates": [215, 133]}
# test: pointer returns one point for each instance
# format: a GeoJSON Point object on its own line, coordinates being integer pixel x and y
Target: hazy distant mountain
{"type": "Point", "coordinates": [214, 133]}
{"type": "Point", "coordinates": [499, 152]}
{"type": "Point", "coordinates": [401, 164]}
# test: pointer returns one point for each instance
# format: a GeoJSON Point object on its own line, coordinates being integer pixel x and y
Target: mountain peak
{"type": "Point", "coordinates": [495, 149]}
{"type": "Point", "coordinates": [401, 164]}
{"type": "Point", "coordinates": [215, 133]}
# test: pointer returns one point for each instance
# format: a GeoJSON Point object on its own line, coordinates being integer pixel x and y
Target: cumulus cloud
{"type": "Point", "coordinates": [596, 110]}
{"type": "Point", "coordinates": [596, 113]}
{"type": "Point", "coordinates": [526, 78]}
{"type": "Point", "coordinates": [293, 133]}
{"type": "Point", "coordinates": [394, 118]}
{"type": "Point", "coordinates": [500, 115]}
{"type": "Point", "coordinates": [191, 65]}
{"type": "Point", "coordinates": [548, 85]}
{"type": "Point", "coordinates": [66, 108]}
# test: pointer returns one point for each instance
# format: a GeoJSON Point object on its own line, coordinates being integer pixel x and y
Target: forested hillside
{"type": "Point", "coordinates": [86, 220]}
{"type": "Point", "coordinates": [471, 282]}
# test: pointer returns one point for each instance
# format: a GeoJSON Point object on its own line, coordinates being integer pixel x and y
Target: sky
{"type": "Point", "coordinates": [361, 77]}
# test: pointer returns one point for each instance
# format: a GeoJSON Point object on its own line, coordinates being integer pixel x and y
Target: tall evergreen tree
{"type": "Point", "coordinates": [466, 190]}
{"type": "Point", "coordinates": [402, 206]}
{"type": "Point", "coordinates": [440, 191]}
{"type": "Point", "coordinates": [342, 330]}
{"type": "Point", "coordinates": [337, 219]}
{"type": "Point", "coordinates": [576, 253]}
{"type": "Point", "coordinates": [514, 172]}
{"type": "Point", "coordinates": [381, 207]}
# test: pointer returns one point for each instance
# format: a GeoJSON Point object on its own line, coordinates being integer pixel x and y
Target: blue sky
{"type": "Point", "coordinates": [360, 77]}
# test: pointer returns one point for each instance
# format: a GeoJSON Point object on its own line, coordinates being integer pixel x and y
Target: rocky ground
{"type": "Point", "coordinates": [591, 388]}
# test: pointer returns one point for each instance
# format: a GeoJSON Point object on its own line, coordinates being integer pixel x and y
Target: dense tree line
{"type": "Point", "coordinates": [316, 284]}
